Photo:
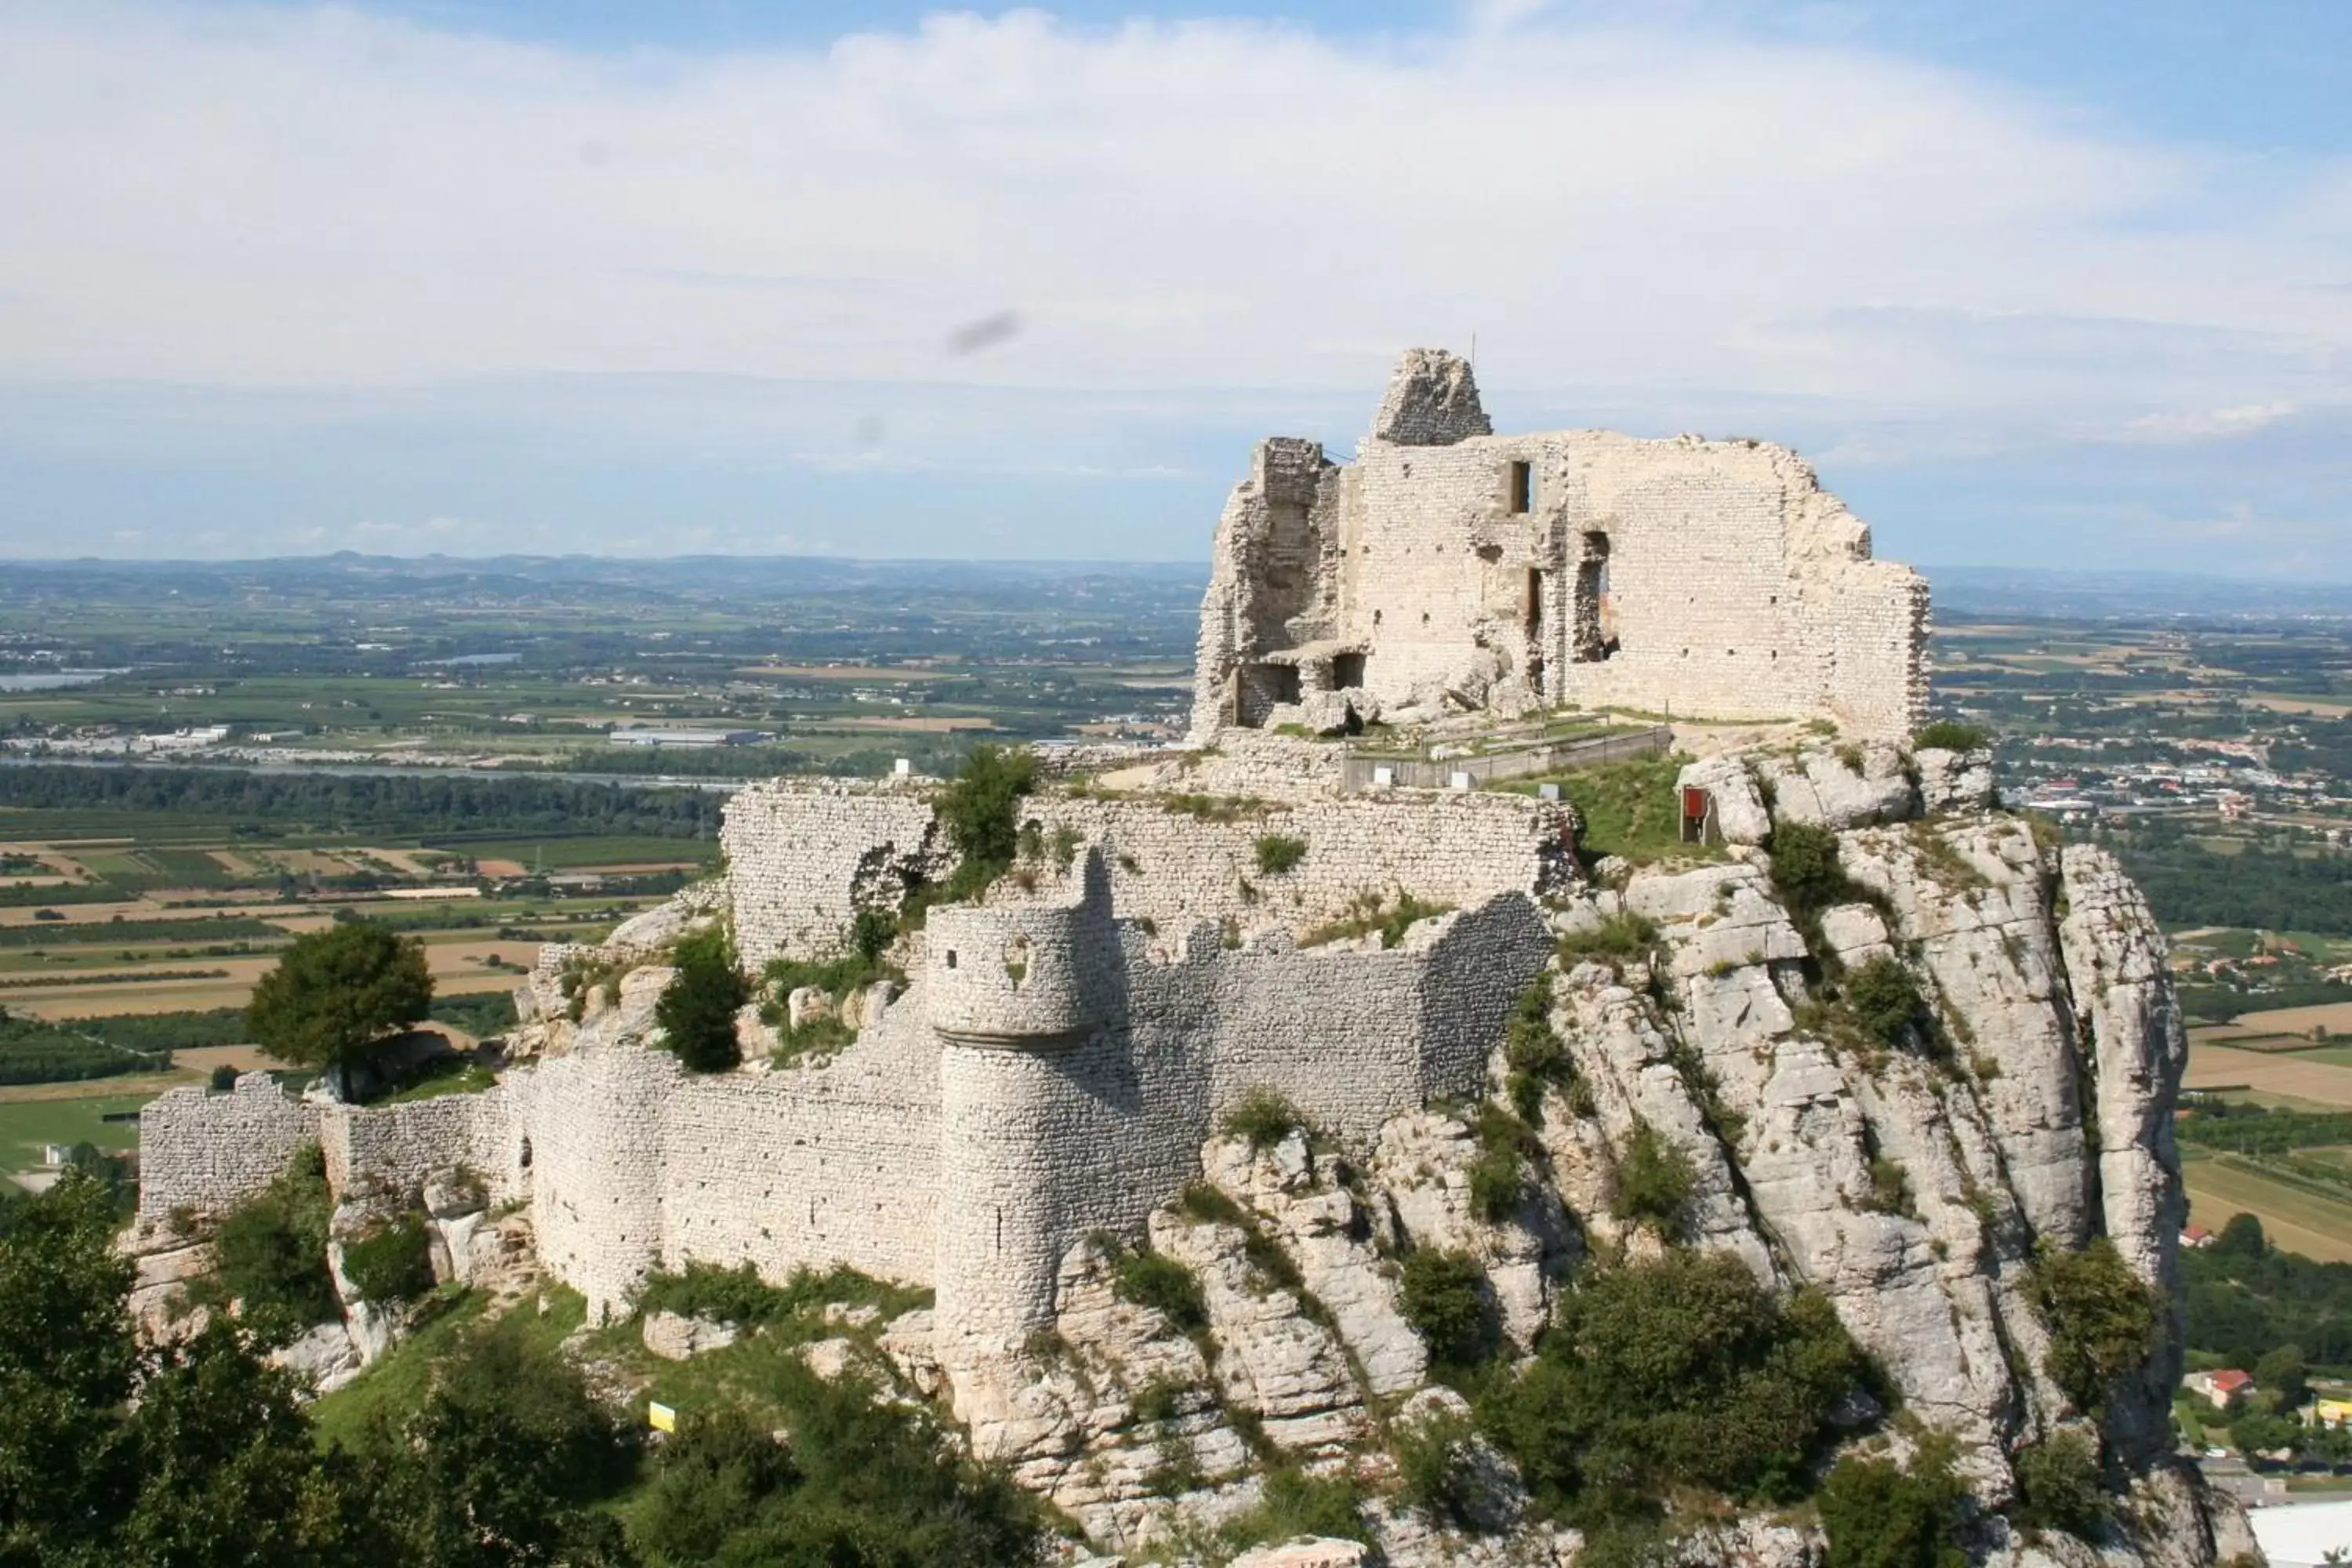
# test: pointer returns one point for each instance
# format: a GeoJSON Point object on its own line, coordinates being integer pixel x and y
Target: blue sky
{"type": "Point", "coordinates": [2032, 284]}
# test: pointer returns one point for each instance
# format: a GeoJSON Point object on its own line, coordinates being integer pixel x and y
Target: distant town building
{"type": "Point", "coordinates": [2223, 1388]}
{"type": "Point", "coordinates": [686, 736]}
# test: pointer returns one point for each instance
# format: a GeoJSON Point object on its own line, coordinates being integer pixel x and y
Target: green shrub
{"type": "Point", "coordinates": [1879, 1515]}
{"type": "Point", "coordinates": [392, 1261]}
{"type": "Point", "coordinates": [1209, 1203]}
{"type": "Point", "coordinates": [736, 1295]}
{"type": "Point", "coordinates": [2058, 1484]}
{"type": "Point", "coordinates": [1279, 852]}
{"type": "Point", "coordinates": [1678, 1372]}
{"type": "Point", "coordinates": [1617, 938]}
{"type": "Point", "coordinates": [1497, 1177]}
{"type": "Point", "coordinates": [1390, 917]}
{"type": "Point", "coordinates": [981, 809]}
{"type": "Point", "coordinates": [697, 1009]}
{"type": "Point", "coordinates": [1443, 1296]}
{"type": "Point", "coordinates": [1156, 1281]}
{"type": "Point", "coordinates": [1805, 868]}
{"type": "Point", "coordinates": [1262, 1117]}
{"type": "Point", "coordinates": [1890, 1187]}
{"type": "Point", "coordinates": [1294, 1503]}
{"type": "Point", "coordinates": [1533, 1053]}
{"type": "Point", "coordinates": [1655, 1181]}
{"type": "Point", "coordinates": [1949, 735]}
{"type": "Point", "coordinates": [1884, 999]}
{"type": "Point", "coordinates": [272, 1251]}
{"type": "Point", "coordinates": [1437, 1472]}
{"type": "Point", "coordinates": [739, 1295]}
{"type": "Point", "coordinates": [2102, 1320]}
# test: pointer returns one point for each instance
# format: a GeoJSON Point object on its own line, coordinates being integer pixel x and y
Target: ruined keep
{"type": "Point", "coordinates": [1448, 567]}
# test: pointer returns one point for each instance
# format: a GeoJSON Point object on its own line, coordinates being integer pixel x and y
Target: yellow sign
{"type": "Point", "coordinates": [660, 1417]}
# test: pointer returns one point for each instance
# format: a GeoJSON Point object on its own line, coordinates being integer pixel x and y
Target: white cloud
{"type": "Point", "coordinates": [2207, 424]}
{"type": "Point", "coordinates": [325, 197]}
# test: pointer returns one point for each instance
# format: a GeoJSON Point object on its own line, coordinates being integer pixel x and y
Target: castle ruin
{"type": "Point", "coordinates": [1448, 568]}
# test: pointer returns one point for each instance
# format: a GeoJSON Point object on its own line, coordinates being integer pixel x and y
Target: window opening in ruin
{"type": "Point", "coordinates": [1264, 687]}
{"type": "Point", "coordinates": [1592, 614]}
{"type": "Point", "coordinates": [950, 958]}
{"type": "Point", "coordinates": [1348, 669]}
{"type": "Point", "coordinates": [1017, 960]}
{"type": "Point", "coordinates": [1535, 602]}
{"type": "Point", "coordinates": [522, 1159]}
{"type": "Point", "coordinates": [1523, 486]}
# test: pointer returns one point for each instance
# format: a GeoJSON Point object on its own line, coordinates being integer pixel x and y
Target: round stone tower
{"type": "Point", "coordinates": [1021, 999]}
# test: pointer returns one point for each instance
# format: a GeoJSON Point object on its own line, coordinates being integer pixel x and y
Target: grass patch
{"type": "Point", "coordinates": [1389, 915]}
{"type": "Point", "coordinates": [1628, 808]}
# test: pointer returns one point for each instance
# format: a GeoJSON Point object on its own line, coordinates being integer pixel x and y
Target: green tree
{"type": "Point", "coordinates": [1879, 1515]}
{"type": "Point", "coordinates": [66, 1362]}
{"type": "Point", "coordinates": [1681, 1371]}
{"type": "Point", "coordinates": [2280, 1373]}
{"type": "Point", "coordinates": [698, 1008]}
{"type": "Point", "coordinates": [501, 1464]}
{"type": "Point", "coordinates": [1884, 999]}
{"type": "Point", "coordinates": [214, 1463]}
{"type": "Point", "coordinates": [2102, 1317]}
{"type": "Point", "coordinates": [2242, 1237]}
{"type": "Point", "coordinates": [337, 995]}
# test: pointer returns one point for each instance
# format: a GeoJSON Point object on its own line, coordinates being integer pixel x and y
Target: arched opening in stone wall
{"type": "Point", "coordinates": [1346, 669]}
{"type": "Point", "coordinates": [1017, 954]}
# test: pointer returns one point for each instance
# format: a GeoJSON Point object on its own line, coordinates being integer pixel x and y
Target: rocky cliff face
{"type": "Point", "coordinates": [1911, 1173]}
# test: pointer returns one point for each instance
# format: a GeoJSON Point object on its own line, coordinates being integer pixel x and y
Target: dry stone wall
{"type": "Point", "coordinates": [1175, 867]}
{"type": "Point", "coordinates": [208, 1152]}
{"type": "Point", "coordinates": [806, 854]}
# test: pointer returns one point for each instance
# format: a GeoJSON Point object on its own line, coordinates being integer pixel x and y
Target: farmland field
{"type": "Point", "coordinates": [27, 1124]}
{"type": "Point", "coordinates": [2294, 1217]}
{"type": "Point", "coordinates": [2324, 1085]}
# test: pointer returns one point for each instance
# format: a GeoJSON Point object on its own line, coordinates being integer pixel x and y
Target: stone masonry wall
{"type": "Point", "coordinates": [211, 1151]}
{"type": "Point", "coordinates": [805, 855]}
{"type": "Point", "coordinates": [1173, 868]}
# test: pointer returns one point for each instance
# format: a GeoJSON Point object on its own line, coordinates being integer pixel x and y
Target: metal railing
{"type": "Point", "coordinates": [1357, 772]}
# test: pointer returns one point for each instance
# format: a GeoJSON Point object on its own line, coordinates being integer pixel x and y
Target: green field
{"type": "Point", "coordinates": [27, 1124]}
{"type": "Point", "coordinates": [557, 854]}
{"type": "Point", "coordinates": [2295, 1217]}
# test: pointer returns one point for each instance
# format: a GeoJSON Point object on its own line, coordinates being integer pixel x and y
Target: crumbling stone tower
{"type": "Point", "coordinates": [1040, 1104]}
{"type": "Point", "coordinates": [1447, 568]}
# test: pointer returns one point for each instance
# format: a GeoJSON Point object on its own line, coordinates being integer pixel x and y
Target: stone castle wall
{"type": "Point", "coordinates": [806, 854]}
{"type": "Point", "coordinates": [207, 1152]}
{"type": "Point", "coordinates": [1174, 868]}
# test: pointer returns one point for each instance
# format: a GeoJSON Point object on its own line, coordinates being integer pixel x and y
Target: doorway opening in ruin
{"type": "Point", "coordinates": [1263, 687]}
{"type": "Point", "coordinates": [1593, 627]}
{"type": "Point", "coordinates": [1521, 492]}
{"type": "Point", "coordinates": [1346, 669]}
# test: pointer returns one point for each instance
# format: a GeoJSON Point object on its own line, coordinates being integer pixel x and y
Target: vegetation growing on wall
{"type": "Point", "coordinates": [698, 1008]}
